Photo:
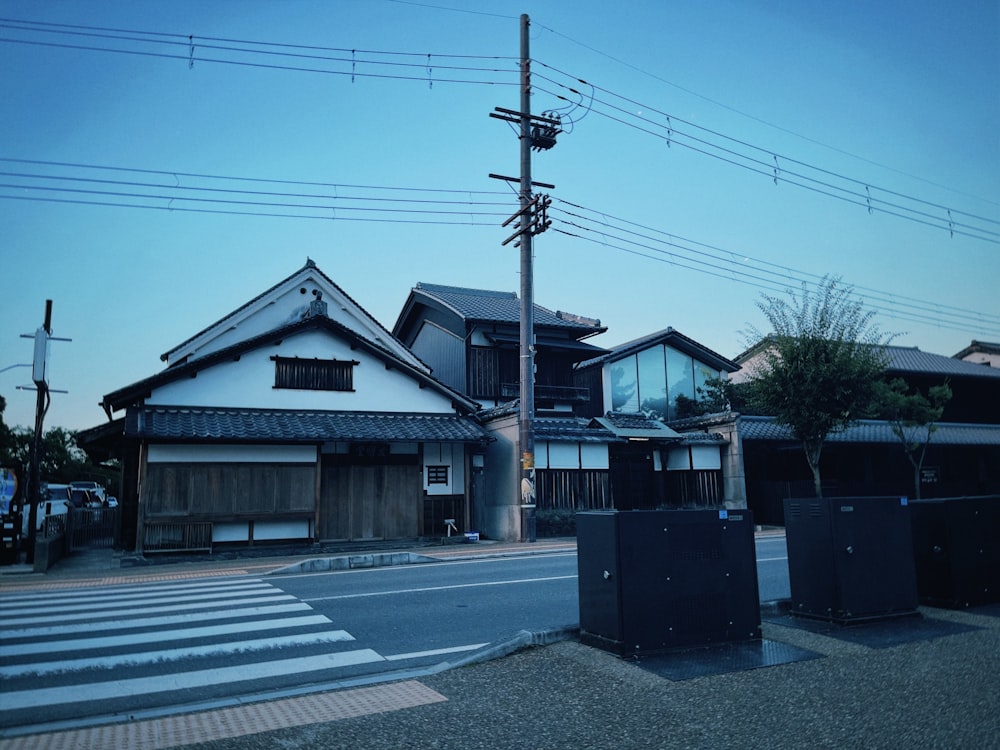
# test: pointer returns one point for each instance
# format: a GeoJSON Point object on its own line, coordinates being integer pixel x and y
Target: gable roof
{"type": "Point", "coordinates": [978, 347]}
{"type": "Point", "coordinates": [483, 305]}
{"type": "Point", "coordinates": [874, 431]}
{"type": "Point", "coordinates": [309, 277]}
{"type": "Point", "coordinates": [668, 336]}
{"type": "Point", "coordinates": [132, 394]}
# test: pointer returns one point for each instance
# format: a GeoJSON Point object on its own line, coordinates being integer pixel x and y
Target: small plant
{"type": "Point", "coordinates": [555, 522]}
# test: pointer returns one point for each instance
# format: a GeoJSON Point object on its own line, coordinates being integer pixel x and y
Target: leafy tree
{"type": "Point", "coordinates": [913, 417]}
{"type": "Point", "coordinates": [718, 395]}
{"type": "Point", "coordinates": [820, 366]}
{"type": "Point", "coordinates": [6, 439]}
{"type": "Point", "coordinates": [62, 461]}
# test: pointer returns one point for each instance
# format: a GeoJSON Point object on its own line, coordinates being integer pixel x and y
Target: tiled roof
{"type": "Point", "coordinates": [499, 307]}
{"type": "Point", "coordinates": [987, 347]}
{"type": "Point", "coordinates": [198, 424]}
{"type": "Point", "coordinates": [912, 360]}
{"type": "Point", "coordinates": [570, 429]}
{"type": "Point", "coordinates": [702, 438]}
{"type": "Point", "coordinates": [554, 429]}
{"type": "Point", "coordinates": [875, 431]}
{"type": "Point", "coordinates": [633, 425]}
{"type": "Point", "coordinates": [907, 360]}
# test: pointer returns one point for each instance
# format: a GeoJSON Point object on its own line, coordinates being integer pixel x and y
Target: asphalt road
{"type": "Point", "coordinates": [94, 653]}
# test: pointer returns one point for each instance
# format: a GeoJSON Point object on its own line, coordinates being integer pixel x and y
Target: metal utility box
{"type": "Point", "coordinates": [656, 580]}
{"type": "Point", "coordinates": [850, 558]}
{"type": "Point", "coordinates": [956, 547]}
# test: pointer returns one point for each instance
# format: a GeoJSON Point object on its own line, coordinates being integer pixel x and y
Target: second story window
{"type": "Point", "coordinates": [314, 374]}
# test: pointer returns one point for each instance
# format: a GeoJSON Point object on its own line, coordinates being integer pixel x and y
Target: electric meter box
{"type": "Point", "coordinates": [665, 579]}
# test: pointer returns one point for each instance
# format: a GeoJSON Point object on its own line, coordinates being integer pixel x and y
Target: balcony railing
{"type": "Point", "coordinates": [559, 393]}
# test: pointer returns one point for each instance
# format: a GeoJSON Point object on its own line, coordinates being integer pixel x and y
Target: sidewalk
{"type": "Point", "coordinates": [926, 682]}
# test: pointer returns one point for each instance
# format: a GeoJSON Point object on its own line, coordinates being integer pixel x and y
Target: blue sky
{"type": "Point", "coordinates": [676, 201]}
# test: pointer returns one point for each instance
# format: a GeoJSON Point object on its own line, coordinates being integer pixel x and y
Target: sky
{"type": "Point", "coordinates": [165, 162]}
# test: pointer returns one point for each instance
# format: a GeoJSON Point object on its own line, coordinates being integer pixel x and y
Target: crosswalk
{"type": "Point", "coordinates": [123, 648]}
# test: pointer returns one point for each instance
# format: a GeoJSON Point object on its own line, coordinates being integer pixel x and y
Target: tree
{"type": "Point", "coordinates": [913, 417]}
{"type": "Point", "coordinates": [820, 366]}
{"type": "Point", "coordinates": [716, 396]}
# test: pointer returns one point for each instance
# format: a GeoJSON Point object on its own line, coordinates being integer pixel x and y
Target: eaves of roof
{"type": "Point", "coordinates": [571, 429]}
{"type": "Point", "coordinates": [984, 347]}
{"type": "Point", "coordinates": [483, 305]}
{"type": "Point", "coordinates": [628, 425]}
{"type": "Point", "coordinates": [130, 394]}
{"type": "Point", "coordinates": [230, 425]}
{"type": "Point", "coordinates": [868, 431]}
{"type": "Point", "coordinates": [668, 336]}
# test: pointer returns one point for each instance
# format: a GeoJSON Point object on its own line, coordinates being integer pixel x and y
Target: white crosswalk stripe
{"type": "Point", "coordinates": [127, 643]}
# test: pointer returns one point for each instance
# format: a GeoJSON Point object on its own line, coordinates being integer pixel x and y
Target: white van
{"type": "Point", "coordinates": [54, 501]}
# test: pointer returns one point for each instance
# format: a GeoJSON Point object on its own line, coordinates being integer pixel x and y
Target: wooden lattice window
{"type": "Point", "coordinates": [437, 475]}
{"type": "Point", "coordinates": [314, 374]}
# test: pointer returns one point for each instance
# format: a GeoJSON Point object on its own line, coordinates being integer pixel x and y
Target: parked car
{"type": "Point", "coordinates": [84, 499]}
{"type": "Point", "coordinates": [93, 488]}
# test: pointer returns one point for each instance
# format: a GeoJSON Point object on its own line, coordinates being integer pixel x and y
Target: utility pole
{"type": "Point", "coordinates": [39, 374]}
{"type": "Point", "coordinates": [535, 132]}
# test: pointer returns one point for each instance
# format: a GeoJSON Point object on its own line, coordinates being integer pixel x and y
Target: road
{"type": "Point", "coordinates": [79, 656]}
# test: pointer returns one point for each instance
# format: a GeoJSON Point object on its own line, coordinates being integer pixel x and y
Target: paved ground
{"type": "Point", "coordinates": [926, 682]}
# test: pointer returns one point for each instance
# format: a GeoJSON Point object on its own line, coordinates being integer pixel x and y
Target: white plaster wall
{"type": "Point", "coordinates": [451, 455]}
{"type": "Point", "coordinates": [564, 456]}
{"type": "Point", "coordinates": [706, 457]}
{"type": "Point", "coordinates": [594, 456]}
{"type": "Point", "coordinates": [249, 382]}
{"type": "Point", "coordinates": [678, 459]}
{"type": "Point", "coordinates": [285, 305]}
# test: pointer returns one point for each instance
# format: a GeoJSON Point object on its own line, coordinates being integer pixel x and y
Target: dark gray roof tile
{"type": "Point", "coordinates": [874, 431]}
{"type": "Point", "coordinates": [499, 307]}
{"type": "Point", "coordinates": [198, 424]}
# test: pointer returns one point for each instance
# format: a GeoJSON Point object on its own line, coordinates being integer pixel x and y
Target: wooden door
{"type": "Point", "coordinates": [369, 502]}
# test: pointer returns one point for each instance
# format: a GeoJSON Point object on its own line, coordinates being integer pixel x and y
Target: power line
{"type": "Point", "coordinates": [708, 250]}
{"type": "Point", "coordinates": [76, 185]}
{"type": "Point", "coordinates": [822, 181]}
{"type": "Point", "coordinates": [756, 119]}
{"type": "Point", "coordinates": [249, 55]}
{"type": "Point", "coordinates": [136, 187]}
{"type": "Point", "coordinates": [720, 263]}
{"type": "Point", "coordinates": [243, 178]}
